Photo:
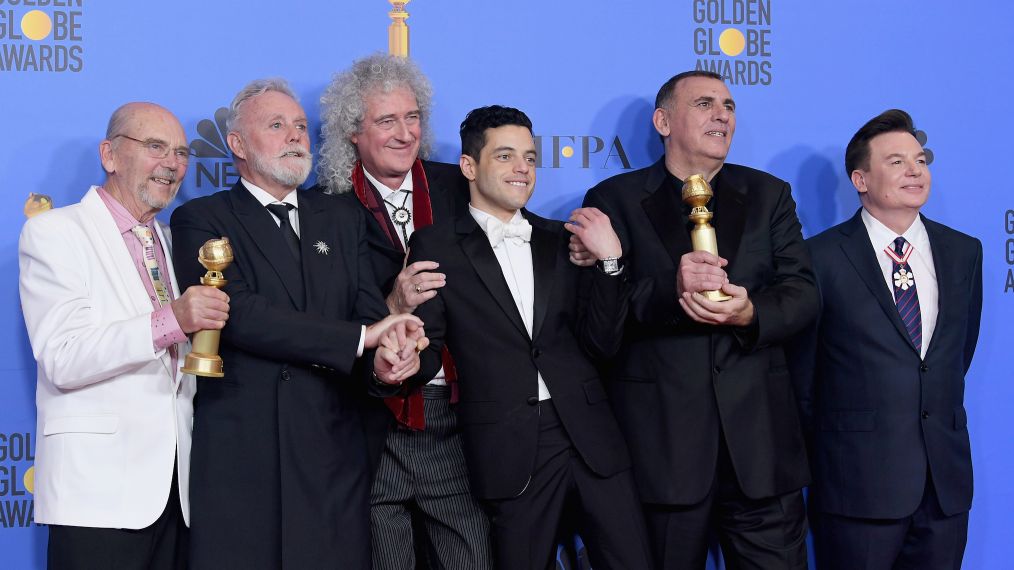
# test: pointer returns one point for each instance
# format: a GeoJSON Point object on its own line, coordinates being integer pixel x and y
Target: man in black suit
{"type": "Point", "coordinates": [881, 375]}
{"type": "Point", "coordinates": [524, 324]}
{"type": "Point", "coordinates": [279, 474]}
{"type": "Point", "coordinates": [375, 127]}
{"type": "Point", "coordinates": [700, 387]}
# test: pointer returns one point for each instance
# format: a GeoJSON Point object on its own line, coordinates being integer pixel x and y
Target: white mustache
{"type": "Point", "coordinates": [167, 174]}
{"type": "Point", "coordinates": [301, 152]}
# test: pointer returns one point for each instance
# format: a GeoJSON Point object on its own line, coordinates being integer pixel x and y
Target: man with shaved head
{"type": "Point", "coordinates": [700, 386]}
{"type": "Point", "coordinates": [108, 328]}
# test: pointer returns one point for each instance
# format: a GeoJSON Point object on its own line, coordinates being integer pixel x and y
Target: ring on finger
{"type": "Point", "coordinates": [418, 288]}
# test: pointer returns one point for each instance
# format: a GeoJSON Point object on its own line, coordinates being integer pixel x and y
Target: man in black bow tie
{"type": "Point", "coordinates": [525, 325]}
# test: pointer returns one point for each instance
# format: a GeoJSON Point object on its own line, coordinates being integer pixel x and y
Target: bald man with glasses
{"type": "Point", "coordinates": [108, 326]}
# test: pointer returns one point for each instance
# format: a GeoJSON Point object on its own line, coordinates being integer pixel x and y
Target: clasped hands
{"type": "Point", "coordinates": [398, 339]}
{"type": "Point", "coordinates": [698, 271]}
{"type": "Point", "coordinates": [701, 271]}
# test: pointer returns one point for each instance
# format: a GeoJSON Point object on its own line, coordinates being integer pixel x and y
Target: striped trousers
{"type": "Point", "coordinates": [427, 469]}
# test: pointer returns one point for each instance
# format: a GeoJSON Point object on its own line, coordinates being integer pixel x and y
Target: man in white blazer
{"type": "Point", "coordinates": [108, 328]}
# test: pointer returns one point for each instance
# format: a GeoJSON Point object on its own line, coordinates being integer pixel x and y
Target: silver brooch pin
{"type": "Point", "coordinates": [322, 248]}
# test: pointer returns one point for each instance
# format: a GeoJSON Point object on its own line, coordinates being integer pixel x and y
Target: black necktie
{"type": "Point", "coordinates": [281, 211]}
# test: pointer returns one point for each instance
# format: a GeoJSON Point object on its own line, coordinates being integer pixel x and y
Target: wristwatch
{"type": "Point", "coordinates": [610, 265]}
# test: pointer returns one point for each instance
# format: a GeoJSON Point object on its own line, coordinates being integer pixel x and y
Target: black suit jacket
{"type": "Point", "coordinates": [877, 413]}
{"type": "Point", "coordinates": [448, 193]}
{"type": "Point", "coordinates": [279, 461]}
{"type": "Point", "coordinates": [677, 384]}
{"type": "Point", "coordinates": [498, 362]}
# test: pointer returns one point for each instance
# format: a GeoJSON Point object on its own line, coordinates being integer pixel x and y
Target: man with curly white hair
{"type": "Point", "coordinates": [375, 137]}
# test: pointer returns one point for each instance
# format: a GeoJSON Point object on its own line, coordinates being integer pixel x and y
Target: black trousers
{"type": "Point", "coordinates": [564, 493]}
{"type": "Point", "coordinates": [161, 546]}
{"type": "Point", "coordinates": [762, 534]}
{"type": "Point", "coordinates": [926, 540]}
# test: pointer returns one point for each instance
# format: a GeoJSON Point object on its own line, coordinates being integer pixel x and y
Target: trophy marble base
{"type": "Point", "coordinates": [209, 365]}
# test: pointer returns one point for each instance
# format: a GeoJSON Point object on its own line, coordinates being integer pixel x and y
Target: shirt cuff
{"type": "Point", "coordinates": [165, 329]}
{"type": "Point", "coordinates": [362, 342]}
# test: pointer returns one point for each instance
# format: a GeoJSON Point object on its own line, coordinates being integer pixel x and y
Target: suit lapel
{"type": "Point", "coordinates": [476, 247]}
{"type": "Point", "coordinates": [103, 226]}
{"type": "Point", "coordinates": [544, 247]}
{"type": "Point", "coordinates": [664, 208]}
{"type": "Point", "coordinates": [730, 214]}
{"type": "Point", "coordinates": [261, 230]}
{"type": "Point", "coordinates": [317, 248]}
{"type": "Point", "coordinates": [945, 286]}
{"type": "Point", "coordinates": [442, 194]}
{"type": "Point", "coordinates": [860, 254]}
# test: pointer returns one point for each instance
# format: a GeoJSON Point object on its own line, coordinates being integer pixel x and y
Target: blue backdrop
{"type": "Point", "coordinates": [805, 76]}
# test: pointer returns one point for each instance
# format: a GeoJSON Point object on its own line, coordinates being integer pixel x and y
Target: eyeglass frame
{"type": "Point", "coordinates": [146, 144]}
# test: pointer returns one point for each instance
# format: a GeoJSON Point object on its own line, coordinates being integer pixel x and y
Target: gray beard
{"type": "Point", "coordinates": [287, 177]}
{"type": "Point", "coordinates": [153, 201]}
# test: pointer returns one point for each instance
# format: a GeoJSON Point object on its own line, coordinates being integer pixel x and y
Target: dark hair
{"type": "Point", "coordinates": [473, 128]}
{"type": "Point", "coordinates": [857, 153]}
{"type": "Point", "coordinates": [665, 93]}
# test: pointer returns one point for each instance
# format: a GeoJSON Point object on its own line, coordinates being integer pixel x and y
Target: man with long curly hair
{"type": "Point", "coordinates": [376, 136]}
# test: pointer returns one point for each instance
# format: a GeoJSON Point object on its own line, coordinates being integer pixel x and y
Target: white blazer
{"type": "Point", "coordinates": [112, 416]}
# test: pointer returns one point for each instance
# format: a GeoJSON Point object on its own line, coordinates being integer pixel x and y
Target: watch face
{"type": "Point", "coordinates": [609, 265]}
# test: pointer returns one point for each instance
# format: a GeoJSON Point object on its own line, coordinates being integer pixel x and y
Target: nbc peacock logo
{"type": "Point", "coordinates": [214, 167]}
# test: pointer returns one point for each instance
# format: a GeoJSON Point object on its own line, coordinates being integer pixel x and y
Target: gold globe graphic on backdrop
{"type": "Point", "coordinates": [732, 42]}
{"type": "Point", "coordinates": [36, 25]}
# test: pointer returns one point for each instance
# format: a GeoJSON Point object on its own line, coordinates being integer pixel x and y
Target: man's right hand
{"type": "Point", "coordinates": [201, 308]}
{"type": "Point", "coordinates": [407, 330]}
{"type": "Point", "coordinates": [415, 285]}
{"type": "Point", "coordinates": [700, 271]}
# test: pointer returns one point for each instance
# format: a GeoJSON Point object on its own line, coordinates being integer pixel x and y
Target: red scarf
{"type": "Point", "coordinates": [407, 408]}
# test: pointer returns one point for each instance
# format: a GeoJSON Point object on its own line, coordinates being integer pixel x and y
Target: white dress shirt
{"type": "Point", "coordinates": [920, 262]}
{"type": "Point", "coordinates": [515, 258]}
{"type": "Point", "coordinates": [292, 197]}
{"type": "Point", "coordinates": [264, 198]}
{"type": "Point", "coordinates": [396, 198]}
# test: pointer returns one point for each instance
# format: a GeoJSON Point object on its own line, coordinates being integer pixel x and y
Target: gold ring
{"type": "Point", "coordinates": [418, 288]}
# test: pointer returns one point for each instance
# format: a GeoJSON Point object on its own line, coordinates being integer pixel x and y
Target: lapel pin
{"type": "Point", "coordinates": [322, 248]}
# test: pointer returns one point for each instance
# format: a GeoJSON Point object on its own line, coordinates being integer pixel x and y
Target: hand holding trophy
{"type": "Point", "coordinates": [203, 360]}
{"type": "Point", "coordinates": [696, 193]}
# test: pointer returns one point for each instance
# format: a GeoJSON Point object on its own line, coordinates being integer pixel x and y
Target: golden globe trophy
{"type": "Point", "coordinates": [203, 359]}
{"type": "Point", "coordinates": [696, 193]}
{"type": "Point", "coordinates": [397, 32]}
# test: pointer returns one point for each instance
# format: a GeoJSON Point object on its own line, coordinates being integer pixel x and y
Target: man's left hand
{"type": "Point", "coordinates": [595, 235]}
{"type": "Point", "coordinates": [737, 311]}
{"type": "Point", "coordinates": [397, 357]}
{"type": "Point", "coordinates": [579, 254]}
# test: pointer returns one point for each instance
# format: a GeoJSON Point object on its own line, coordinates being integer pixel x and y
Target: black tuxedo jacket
{"type": "Point", "coordinates": [676, 384]}
{"type": "Point", "coordinates": [878, 415]}
{"type": "Point", "coordinates": [279, 473]}
{"type": "Point", "coordinates": [498, 363]}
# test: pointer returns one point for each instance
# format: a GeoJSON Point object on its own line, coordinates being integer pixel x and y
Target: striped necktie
{"type": "Point", "coordinates": [143, 234]}
{"type": "Point", "coordinates": [905, 294]}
